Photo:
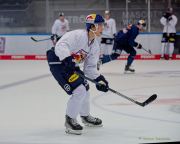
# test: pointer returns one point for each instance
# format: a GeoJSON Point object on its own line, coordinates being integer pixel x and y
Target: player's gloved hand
{"type": "Point", "coordinates": [169, 18]}
{"type": "Point", "coordinates": [166, 15]}
{"type": "Point", "coordinates": [53, 37]}
{"type": "Point", "coordinates": [139, 46]}
{"type": "Point", "coordinates": [102, 83]}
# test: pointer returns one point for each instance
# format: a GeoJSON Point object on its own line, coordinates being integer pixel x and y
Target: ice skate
{"type": "Point", "coordinates": [91, 121]}
{"type": "Point", "coordinates": [128, 69]}
{"type": "Point", "coordinates": [72, 127]}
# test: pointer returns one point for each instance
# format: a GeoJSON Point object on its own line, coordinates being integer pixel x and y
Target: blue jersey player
{"type": "Point", "coordinates": [125, 40]}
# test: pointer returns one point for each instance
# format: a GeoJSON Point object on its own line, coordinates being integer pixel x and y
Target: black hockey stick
{"type": "Point", "coordinates": [36, 40]}
{"type": "Point", "coordinates": [147, 50]}
{"type": "Point", "coordinates": [146, 102]}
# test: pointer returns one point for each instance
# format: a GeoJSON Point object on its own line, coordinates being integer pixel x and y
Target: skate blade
{"type": "Point", "coordinates": [75, 132]}
{"type": "Point", "coordinates": [92, 125]}
{"type": "Point", "coordinates": [129, 72]}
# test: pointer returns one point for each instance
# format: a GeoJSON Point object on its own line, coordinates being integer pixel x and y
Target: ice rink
{"type": "Point", "coordinates": [32, 105]}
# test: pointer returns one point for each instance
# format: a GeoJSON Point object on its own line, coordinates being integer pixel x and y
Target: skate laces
{"type": "Point", "coordinates": [74, 122]}
{"type": "Point", "coordinates": [91, 118]}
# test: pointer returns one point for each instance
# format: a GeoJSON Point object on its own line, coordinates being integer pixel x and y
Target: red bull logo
{"type": "Point", "coordinates": [91, 17]}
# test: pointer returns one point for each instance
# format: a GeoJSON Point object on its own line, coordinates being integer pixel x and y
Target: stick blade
{"type": "Point", "coordinates": [33, 39]}
{"type": "Point", "coordinates": [150, 99]}
{"type": "Point", "coordinates": [150, 51]}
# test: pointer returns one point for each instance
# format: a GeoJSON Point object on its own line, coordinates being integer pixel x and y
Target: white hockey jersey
{"type": "Point", "coordinates": [109, 28]}
{"type": "Point", "coordinates": [75, 42]}
{"type": "Point", "coordinates": [60, 28]}
{"type": "Point", "coordinates": [169, 26]}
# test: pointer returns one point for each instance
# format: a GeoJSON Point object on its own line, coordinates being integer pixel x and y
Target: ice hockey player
{"type": "Point", "coordinates": [73, 48]}
{"type": "Point", "coordinates": [169, 21]}
{"type": "Point", "coordinates": [125, 40]}
{"type": "Point", "coordinates": [108, 34]}
{"type": "Point", "coordinates": [59, 28]}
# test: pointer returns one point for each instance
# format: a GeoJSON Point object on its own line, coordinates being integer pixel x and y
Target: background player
{"type": "Point", "coordinates": [108, 34]}
{"type": "Point", "coordinates": [76, 47]}
{"type": "Point", "coordinates": [169, 21]}
{"type": "Point", "coordinates": [107, 37]}
{"type": "Point", "coordinates": [125, 40]}
{"type": "Point", "coordinates": [59, 28]}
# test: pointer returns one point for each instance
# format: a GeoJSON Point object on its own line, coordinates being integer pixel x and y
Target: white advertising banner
{"type": "Point", "coordinates": [24, 45]}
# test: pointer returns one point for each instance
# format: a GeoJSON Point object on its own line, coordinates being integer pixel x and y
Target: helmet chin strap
{"type": "Point", "coordinates": [96, 26]}
{"type": "Point", "coordinates": [143, 28]}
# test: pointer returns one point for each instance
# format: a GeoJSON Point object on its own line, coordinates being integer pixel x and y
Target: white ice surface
{"type": "Point", "coordinates": [32, 105]}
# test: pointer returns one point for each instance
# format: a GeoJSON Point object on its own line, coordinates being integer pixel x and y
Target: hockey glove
{"type": "Point", "coordinates": [102, 83]}
{"type": "Point", "coordinates": [169, 18]}
{"type": "Point", "coordinates": [166, 15]}
{"type": "Point", "coordinates": [54, 37]}
{"type": "Point", "coordinates": [139, 46]}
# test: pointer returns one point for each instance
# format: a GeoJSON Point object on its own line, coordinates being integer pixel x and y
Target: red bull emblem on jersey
{"type": "Point", "coordinates": [79, 56]}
